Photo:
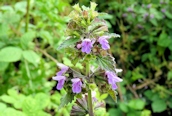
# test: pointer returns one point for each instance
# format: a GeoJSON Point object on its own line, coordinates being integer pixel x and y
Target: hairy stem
{"type": "Point", "coordinates": [90, 103]}
{"type": "Point", "coordinates": [27, 15]}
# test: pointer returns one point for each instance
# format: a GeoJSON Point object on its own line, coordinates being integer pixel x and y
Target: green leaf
{"type": "Point", "coordinates": [123, 106]}
{"type": "Point", "coordinates": [169, 75]}
{"type": "Point", "coordinates": [3, 65]}
{"type": "Point", "coordinates": [31, 57]}
{"type": "Point", "coordinates": [106, 63]}
{"type": "Point", "coordinates": [42, 99]}
{"type": "Point", "coordinates": [10, 54]}
{"type": "Point", "coordinates": [113, 94]}
{"type": "Point", "coordinates": [68, 42]}
{"type": "Point", "coordinates": [168, 14]}
{"type": "Point", "coordinates": [163, 40]}
{"type": "Point", "coordinates": [30, 106]}
{"type": "Point", "coordinates": [159, 106]}
{"type": "Point", "coordinates": [66, 99]}
{"type": "Point", "coordinates": [26, 40]}
{"type": "Point", "coordinates": [8, 99]}
{"type": "Point", "coordinates": [137, 104]}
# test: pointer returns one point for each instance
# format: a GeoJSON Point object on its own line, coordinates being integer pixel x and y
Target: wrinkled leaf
{"type": "Point", "coordinates": [66, 99]}
{"type": "Point", "coordinates": [106, 63]}
{"type": "Point", "coordinates": [113, 94]}
{"type": "Point", "coordinates": [68, 42]}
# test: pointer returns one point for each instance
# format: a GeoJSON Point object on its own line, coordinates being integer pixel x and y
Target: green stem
{"type": "Point", "coordinates": [27, 15]}
{"type": "Point", "coordinates": [90, 103]}
{"type": "Point", "coordinates": [28, 74]}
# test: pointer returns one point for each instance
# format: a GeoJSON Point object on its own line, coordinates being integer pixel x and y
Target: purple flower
{"type": "Point", "coordinates": [104, 42]}
{"type": "Point", "coordinates": [151, 16]}
{"type": "Point", "coordinates": [145, 15]}
{"type": "Point", "coordinates": [61, 80]}
{"type": "Point", "coordinates": [86, 46]}
{"type": "Point", "coordinates": [163, 10]}
{"type": "Point", "coordinates": [63, 68]}
{"type": "Point", "coordinates": [149, 5]}
{"type": "Point", "coordinates": [129, 9]}
{"type": "Point", "coordinates": [112, 79]}
{"type": "Point", "coordinates": [76, 85]}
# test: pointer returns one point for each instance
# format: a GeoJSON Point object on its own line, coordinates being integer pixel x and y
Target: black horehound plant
{"type": "Point", "coordinates": [87, 43]}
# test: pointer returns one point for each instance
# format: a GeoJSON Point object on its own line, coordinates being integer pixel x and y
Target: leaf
{"type": "Point", "coordinates": [168, 14]}
{"type": "Point", "coordinates": [26, 40]}
{"type": "Point", "coordinates": [68, 42]}
{"type": "Point", "coordinates": [3, 65]}
{"type": "Point", "coordinates": [137, 104]}
{"type": "Point", "coordinates": [31, 57]}
{"type": "Point", "coordinates": [66, 99]}
{"type": "Point", "coordinates": [30, 106]}
{"type": "Point", "coordinates": [10, 54]}
{"type": "Point", "coordinates": [113, 35]}
{"type": "Point", "coordinates": [163, 40]}
{"type": "Point", "coordinates": [106, 63]}
{"type": "Point", "coordinates": [169, 75]}
{"type": "Point", "coordinates": [77, 74]}
{"type": "Point", "coordinates": [123, 106]}
{"type": "Point", "coordinates": [8, 99]}
{"type": "Point", "coordinates": [113, 94]}
{"type": "Point", "coordinates": [159, 106]}
{"type": "Point", "coordinates": [42, 99]}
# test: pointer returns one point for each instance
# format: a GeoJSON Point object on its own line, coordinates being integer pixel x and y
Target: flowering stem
{"type": "Point", "coordinates": [90, 104]}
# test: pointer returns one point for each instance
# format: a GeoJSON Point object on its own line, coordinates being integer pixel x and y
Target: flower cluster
{"type": "Point", "coordinates": [87, 44]}
{"type": "Point", "coordinates": [61, 78]}
{"type": "Point", "coordinates": [112, 79]}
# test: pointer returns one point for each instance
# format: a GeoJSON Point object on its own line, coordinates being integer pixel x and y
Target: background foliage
{"type": "Point", "coordinates": [28, 56]}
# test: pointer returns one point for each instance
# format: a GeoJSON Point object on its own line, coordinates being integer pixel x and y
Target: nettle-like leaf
{"type": "Point", "coordinates": [106, 63]}
{"type": "Point", "coordinates": [113, 35]}
{"type": "Point", "coordinates": [66, 99]}
{"type": "Point", "coordinates": [113, 94]}
{"type": "Point", "coordinates": [68, 42]}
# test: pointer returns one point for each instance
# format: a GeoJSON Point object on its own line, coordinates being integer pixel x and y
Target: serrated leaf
{"type": "Point", "coordinates": [68, 42]}
{"type": "Point", "coordinates": [31, 57]}
{"type": "Point", "coordinates": [77, 74]}
{"type": "Point", "coordinates": [106, 63]}
{"type": "Point", "coordinates": [113, 94]}
{"type": "Point", "coordinates": [66, 99]}
{"type": "Point", "coordinates": [10, 54]}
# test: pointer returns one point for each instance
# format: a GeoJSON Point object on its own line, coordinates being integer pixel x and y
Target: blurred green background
{"type": "Point", "coordinates": [29, 37]}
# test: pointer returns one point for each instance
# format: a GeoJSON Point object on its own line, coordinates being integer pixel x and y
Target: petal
{"type": "Point", "coordinates": [60, 84]}
{"type": "Point", "coordinates": [75, 80]}
{"type": "Point", "coordinates": [114, 86]}
{"type": "Point", "coordinates": [86, 46]}
{"type": "Point", "coordinates": [76, 87]}
{"type": "Point", "coordinates": [57, 78]}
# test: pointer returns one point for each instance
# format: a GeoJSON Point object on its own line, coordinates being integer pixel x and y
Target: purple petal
{"type": "Point", "coordinates": [57, 78]}
{"type": "Point", "coordinates": [63, 68]}
{"type": "Point", "coordinates": [104, 42]}
{"type": "Point", "coordinates": [86, 46]}
{"type": "Point", "coordinates": [60, 84]}
{"type": "Point", "coordinates": [114, 86]}
{"type": "Point", "coordinates": [76, 85]}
